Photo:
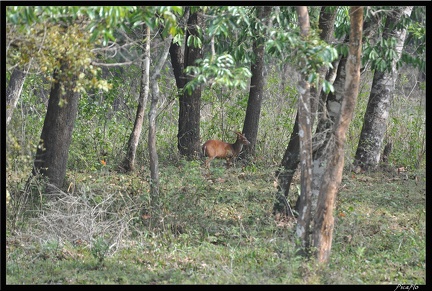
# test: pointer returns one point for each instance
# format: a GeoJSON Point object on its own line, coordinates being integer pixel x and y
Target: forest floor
{"type": "Point", "coordinates": [215, 228]}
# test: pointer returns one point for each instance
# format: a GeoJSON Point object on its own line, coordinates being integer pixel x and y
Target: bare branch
{"type": "Point", "coordinates": [113, 64]}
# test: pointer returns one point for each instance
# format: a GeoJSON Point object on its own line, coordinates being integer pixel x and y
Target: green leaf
{"type": "Point", "coordinates": [327, 87]}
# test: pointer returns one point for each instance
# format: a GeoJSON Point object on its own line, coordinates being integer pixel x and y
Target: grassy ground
{"type": "Point", "coordinates": [216, 229]}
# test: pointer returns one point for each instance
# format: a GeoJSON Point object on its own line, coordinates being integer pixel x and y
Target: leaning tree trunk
{"type": "Point", "coordinates": [53, 150]}
{"type": "Point", "coordinates": [377, 112]}
{"type": "Point", "coordinates": [188, 135]}
{"type": "Point", "coordinates": [129, 161]}
{"type": "Point", "coordinates": [253, 110]}
{"type": "Point", "coordinates": [323, 219]}
{"type": "Point", "coordinates": [13, 92]}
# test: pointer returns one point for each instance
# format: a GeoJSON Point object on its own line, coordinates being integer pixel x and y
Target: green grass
{"type": "Point", "coordinates": [215, 229]}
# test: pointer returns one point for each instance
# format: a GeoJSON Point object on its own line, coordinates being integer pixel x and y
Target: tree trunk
{"type": "Point", "coordinates": [319, 100]}
{"type": "Point", "coordinates": [323, 219]}
{"type": "Point", "coordinates": [326, 25]}
{"type": "Point", "coordinates": [289, 163]}
{"type": "Point", "coordinates": [323, 138]}
{"type": "Point", "coordinates": [305, 137]}
{"type": "Point", "coordinates": [177, 60]}
{"type": "Point", "coordinates": [52, 153]}
{"type": "Point", "coordinates": [154, 162]}
{"type": "Point", "coordinates": [13, 92]}
{"type": "Point", "coordinates": [253, 110]}
{"type": "Point", "coordinates": [290, 159]}
{"type": "Point", "coordinates": [375, 120]}
{"type": "Point", "coordinates": [129, 161]}
{"type": "Point", "coordinates": [190, 105]}
{"type": "Point", "coordinates": [177, 55]}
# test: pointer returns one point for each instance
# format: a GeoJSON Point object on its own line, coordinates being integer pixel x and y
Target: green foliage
{"type": "Point", "coordinates": [381, 54]}
{"type": "Point", "coordinates": [220, 70]}
{"type": "Point", "coordinates": [309, 54]}
{"type": "Point", "coordinates": [99, 249]}
{"type": "Point", "coordinates": [414, 54]}
{"type": "Point", "coordinates": [102, 19]}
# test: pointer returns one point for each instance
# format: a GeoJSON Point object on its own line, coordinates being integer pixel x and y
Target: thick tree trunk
{"type": "Point", "coordinates": [52, 153]}
{"type": "Point", "coordinates": [177, 61]}
{"type": "Point", "coordinates": [177, 58]}
{"type": "Point", "coordinates": [13, 92]}
{"type": "Point", "coordinates": [323, 219]}
{"type": "Point", "coordinates": [190, 105]}
{"type": "Point", "coordinates": [253, 110]}
{"type": "Point", "coordinates": [129, 161]}
{"type": "Point", "coordinates": [380, 99]}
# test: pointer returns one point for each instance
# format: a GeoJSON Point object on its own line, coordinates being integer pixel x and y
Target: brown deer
{"type": "Point", "coordinates": [222, 150]}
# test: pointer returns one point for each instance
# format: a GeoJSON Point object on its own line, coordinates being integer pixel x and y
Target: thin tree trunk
{"type": "Point", "coordinates": [190, 105]}
{"type": "Point", "coordinates": [13, 91]}
{"type": "Point", "coordinates": [154, 161]}
{"type": "Point", "coordinates": [323, 219]}
{"type": "Point", "coordinates": [326, 25]}
{"type": "Point", "coordinates": [377, 112]}
{"type": "Point", "coordinates": [53, 150]}
{"type": "Point", "coordinates": [289, 165]}
{"type": "Point", "coordinates": [305, 135]}
{"type": "Point", "coordinates": [129, 161]}
{"type": "Point", "coordinates": [253, 110]}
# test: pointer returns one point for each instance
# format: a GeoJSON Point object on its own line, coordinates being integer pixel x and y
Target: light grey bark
{"type": "Point", "coordinates": [154, 162]}
{"type": "Point", "coordinates": [129, 161]}
{"type": "Point", "coordinates": [377, 112]}
{"type": "Point", "coordinates": [13, 91]}
{"type": "Point", "coordinates": [323, 141]}
{"type": "Point", "coordinates": [305, 136]}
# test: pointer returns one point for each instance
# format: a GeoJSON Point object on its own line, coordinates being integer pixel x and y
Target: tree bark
{"type": "Point", "coordinates": [154, 161]}
{"type": "Point", "coordinates": [290, 159]}
{"type": "Point", "coordinates": [305, 137]}
{"type": "Point", "coordinates": [190, 105]}
{"type": "Point", "coordinates": [177, 57]}
{"type": "Point", "coordinates": [326, 25]}
{"type": "Point", "coordinates": [322, 140]}
{"type": "Point", "coordinates": [13, 92]}
{"type": "Point", "coordinates": [377, 112]}
{"type": "Point", "coordinates": [52, 153]}
{"type": "Point", "coordinates": [129, 161]}
{"type": "Point", "coordinates": [257, 84]}
{"type": "Point", "coordinates": [323, 219]}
